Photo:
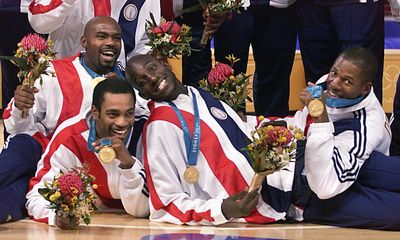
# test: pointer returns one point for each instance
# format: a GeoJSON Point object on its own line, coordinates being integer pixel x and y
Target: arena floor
{"type": "Point", "coordinates": [121, 226]}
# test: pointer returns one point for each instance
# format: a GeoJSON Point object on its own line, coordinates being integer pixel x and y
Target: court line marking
{"type": "Point", "coordinates": [200, 228]}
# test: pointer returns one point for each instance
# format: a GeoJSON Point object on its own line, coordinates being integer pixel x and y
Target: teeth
{"type": "Point", "coordinates": [109, 53]}
{"type": "Point", "coordinates": [162, 84]}
{"type": "Point", "coordinates": [120, 132]}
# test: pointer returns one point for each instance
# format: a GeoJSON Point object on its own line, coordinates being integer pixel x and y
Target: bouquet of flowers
{"type": "Point", "coordinates": [218, 8]}
{"type": "Point", "coordinates": [70, 195]}
{"type": "Point", "coordinates": [272, 148]}
{"type": "Point", "coordinates": [168, 39]}
{"type": "Point", "coordinates": [32, 58]}
{"type": "Point", "coordinates": [225, 86]}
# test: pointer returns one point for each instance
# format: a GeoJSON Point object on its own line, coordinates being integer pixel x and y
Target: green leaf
{"type": "Point", "coordinates": [86, 220]}
{"type": "Point", "coordinates": [43, 191]}
{"type": "Point", "coordinates": [20, 62]}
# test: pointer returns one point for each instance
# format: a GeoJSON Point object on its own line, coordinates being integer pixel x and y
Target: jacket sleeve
{"type": "Point", "coordinates": [152, 6]}
{"type": "Point", "coordinates": [49, 166]}
{"type": "Point", "coordinates": [12, 116]}
{"type": "Point", "coordinates": [335, 152]}
{"type": "Point", "coordinates": [169, 201]}
{"type": "Point", "coordinates": [133, 190]}
{"type": "Point", "coordinates": [45, 16]}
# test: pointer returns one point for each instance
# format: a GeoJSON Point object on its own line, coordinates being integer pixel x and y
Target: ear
{"type": "Point", "coordinates": [83, 42]}
{"type": "Point", "coordinates": [367, 88]}
{"type": "Point", "coordinates": [95, 113]}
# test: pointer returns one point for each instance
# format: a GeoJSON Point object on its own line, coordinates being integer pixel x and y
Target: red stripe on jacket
{"type": "Point", "coordinates": [102, 7]}
{"type": "Point", "coordinates": [58, 140]}
{"type": "Point", "coordinates": [71, 88]}
{"type": "Point", "coordinates": [77, 145]}
{"type": "Point", "coordinates": [39, 8]}
{"type": "Point", "coordinates": [167, 9]}
{"type": "Point", "coordinates": [221, 166]}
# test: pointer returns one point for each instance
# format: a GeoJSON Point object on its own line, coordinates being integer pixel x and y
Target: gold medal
{"type": "Point", "coordinates": [315, 108]}
{"type": "Point", "coordinates": [191, 174]}
{"type": "Point", "coordinates": [107, 154]}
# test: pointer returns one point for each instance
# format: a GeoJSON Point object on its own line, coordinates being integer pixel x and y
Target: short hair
{"type": "Point", "coordinates": [111, 85]}
{"type": "Point", "coordinates": [364, 59]}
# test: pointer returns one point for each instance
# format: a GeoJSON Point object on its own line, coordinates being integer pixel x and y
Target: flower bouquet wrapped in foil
{"type": "Point", "coordinates": [217, 9]}
{"type": "Point", "coordinates": [168, 39]}
{"type": "Point", "coordinates": [272, 148]}
{"type": "Point", "coordinates": [32, 58]}
{"type": "Point", "coordinates": [71, 196]}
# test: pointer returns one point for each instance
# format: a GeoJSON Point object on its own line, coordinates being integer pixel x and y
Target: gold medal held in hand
{"type": "Point", "coordinates": [191, 174]}
{"type": "Point", "coordinates": [107, 153]}
{"type": "Point", "coordinates": [316, 108]}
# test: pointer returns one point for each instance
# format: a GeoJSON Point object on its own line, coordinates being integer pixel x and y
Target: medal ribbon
{"type": "Point", "coordinates": [94, 75]}
{"type": "Point", "coordinates": [331, 101]}
{"type": "Point", "coordinates": [192, 144]}
{"type": "Point", "coordinates": [315, 91]}
{"type": "Point", "coordinates": [92, 135]}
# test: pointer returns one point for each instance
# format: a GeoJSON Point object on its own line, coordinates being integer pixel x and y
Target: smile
{"type": "Point", "coordinates": [162, 85]}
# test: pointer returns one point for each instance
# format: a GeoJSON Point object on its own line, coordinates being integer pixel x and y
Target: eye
{"type": "Point", "coordinates": [347, 82]}
{"type": "Point", "coordinates": [153, 67]}
{"type": "Point", "coordinates": [112, 115]}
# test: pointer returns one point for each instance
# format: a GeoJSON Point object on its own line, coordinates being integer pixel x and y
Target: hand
{"type": "Point", "coordinates": [213, 21]}
{"type": "Point", "coordinates": [24, 97]}
{"type": "Point", "coordinates": [240, 205]}
{"type": "Point", "coordinates": [66, 224]}
{"type": "Point", "coordinates": [242, 116]}
{"type": "Point", "coordinates": [122, 154]}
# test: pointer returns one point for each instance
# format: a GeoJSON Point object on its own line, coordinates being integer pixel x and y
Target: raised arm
{"type": "Point", "coordinates": [45, 16]}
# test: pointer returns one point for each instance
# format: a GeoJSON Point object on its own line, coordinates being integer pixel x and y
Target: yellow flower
{"type": "Point", "coordinates": [270, 127]}
{"type": "Point", "coordinates": [261, 118]}
{"type": "Point", "coordinates": [231, 78]}
{"type": "Point", "coordinates": [298, 136]}
{"type": "Point", "coordinates": [54, 196]}
{"type": "Point", "coordinates": [291, 128]}
{"type": "Point", "coordinates": [94, 186]}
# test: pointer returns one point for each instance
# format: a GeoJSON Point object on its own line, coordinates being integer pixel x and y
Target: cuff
{"type": "Point", "coordinates": [325, 127]}
{"type": "Point", "coordinates": [133, 171]}
{"type": "Point", "coordinates": [52, 217]}
{"type": "Point", "coordinates": [216, 213]}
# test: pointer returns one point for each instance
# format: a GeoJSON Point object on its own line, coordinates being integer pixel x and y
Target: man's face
{"type": "Point", "coordinates": [344, 80]}
{"type": "Point", "coordinates": [102, 42]}
{"type": "Point", "coordinates": [116, 117]}
{"type": "Point", "coordinates": [152, 79]}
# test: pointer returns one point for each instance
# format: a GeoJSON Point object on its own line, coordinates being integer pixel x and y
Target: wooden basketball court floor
{"type": "Point", "coordinates": [122, 226]}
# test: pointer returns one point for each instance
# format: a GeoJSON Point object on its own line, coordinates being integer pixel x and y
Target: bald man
{"type": "Point", "coordinates": [66, 91]}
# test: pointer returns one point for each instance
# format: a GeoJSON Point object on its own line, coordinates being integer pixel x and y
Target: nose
{"type": "Point", "coordinates": [121, 121]}
{"type": "Point", "coordinates": [335, 82]}
{"type": "Point", "coordinates": [110, 41]}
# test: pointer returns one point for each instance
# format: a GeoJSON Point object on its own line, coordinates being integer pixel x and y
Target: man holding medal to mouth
{"type": "Point", "coordinates": [108, 128]}
{"type": "Point", "coordinates": [354, 183]}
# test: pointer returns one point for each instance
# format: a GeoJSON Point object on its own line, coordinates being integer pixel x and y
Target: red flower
{"type": "Point", "coordinates": [157, 30]}
{"type": "Point", "coordinates": [278, 135]}
{"type": "Point", "coordinates": [175, 28]}
{"type": "Point", "coordinates": [219, 73]}
{"type": "Point", "coordinates": [34, 41]}
{"type": "Point", "coordinates": [70, 182]}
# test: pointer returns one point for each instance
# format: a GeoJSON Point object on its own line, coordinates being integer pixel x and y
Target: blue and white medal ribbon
{"type": "Point", "coordinates": [192, 145]}
{"type": "Point", "coordinates": [106, 153]}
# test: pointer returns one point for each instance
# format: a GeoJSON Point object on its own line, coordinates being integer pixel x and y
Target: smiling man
{"type": "Point", "coordinates": [193, 153]}
{"type": "Point", "coordinates": [121, 182]}
{"type": "Point", "coordinates": [64, 93]}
